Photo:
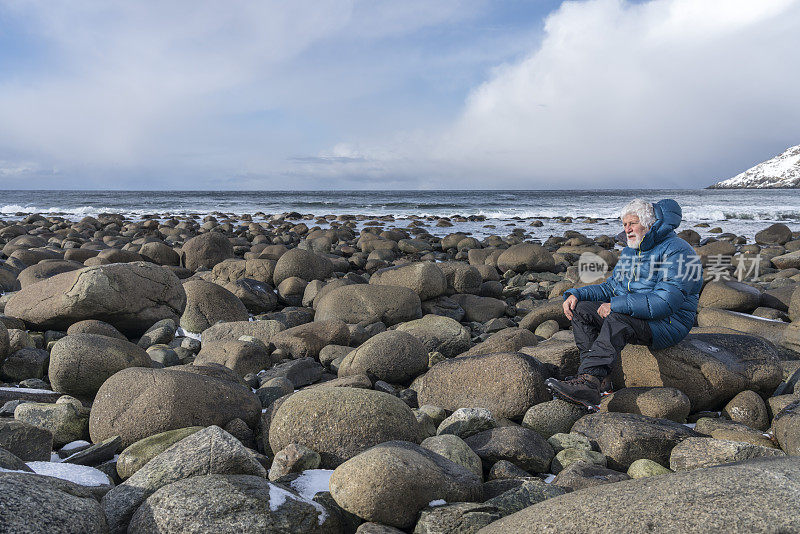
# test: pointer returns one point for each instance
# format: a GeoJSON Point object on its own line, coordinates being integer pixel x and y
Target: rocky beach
{"type": "Point", "coordinates": [336, 373]}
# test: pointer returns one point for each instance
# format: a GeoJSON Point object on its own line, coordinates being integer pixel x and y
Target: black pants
{"type": "Point", "coordinates": [601, 340]}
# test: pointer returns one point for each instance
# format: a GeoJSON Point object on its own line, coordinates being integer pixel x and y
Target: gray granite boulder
{"type": "Point", "coordinates": [520, 446]}
{"type": "Point", "coordinates": [426, 279]}
{"type": "Point", "coordinates": [129, 296]}
{"type": "Point", "coordinates": [209, 451]}
{"type": "Point", "coordinates": [230, 503]}
{"type": "Point", "coordinates": [393, 356]}
{"type": "Point", "coordinates": [80, 363]}
{"type": "Point", "coordinates": [741, 497]}
{"type": "Point", "coordinates": [136, 402]}
{"type": "Point", "coordinates": [694, 453]}
{"type": "Point", "coordinates": [34, 503]}
{"type": "Point", "coordinates": [439, 334]}
{"type": "Point", "coordinates": [204, 251]}
{"type": "Point", "coordinates": [339, 423]}
{"type": "Point", "coordinates": [367, 303]}
{"type": "Point", "coordinates": [710, 369]}
{"type": "Point", "coordinates": [391, 482]}
{"type": "Point", "coordinates": [507, 384]}
{"type": "Point", "coordinates": [207, 303]}
{"type": "Point", "coordinates": [624, 437]}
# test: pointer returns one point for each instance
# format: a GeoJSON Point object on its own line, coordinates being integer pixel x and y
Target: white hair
{"type": "Point", "coordinates": [642, 209]}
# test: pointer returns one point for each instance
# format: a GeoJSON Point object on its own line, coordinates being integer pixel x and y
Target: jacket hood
{"type": "Point", "coordinates": [668, 218]}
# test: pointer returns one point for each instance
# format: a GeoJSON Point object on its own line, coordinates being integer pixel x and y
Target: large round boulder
{"type": "Point", "coordinates": [521, 446]}
{"type": "Point", "coordinates": [204, 251]}
{"type": "Point", "coordinates": [392, 356]}
{"type": "Point", "coordinates": [794, 305]}
{"type": "Point", "coordinates": [366, 303]}
{"type": "Point", "coordinates": [160, 253]}
{"type": "Point", "coordinates": [211, 450]}
{"type": "Point", "coordinates": [23, 242]}
{"type": "Point", "coordinates": [230, 503]}
{"type": "Point", "coordinates": [506, 383]}
{"type": "Point", "coordinates": [129, 296]}
{"type": "Point", "coordinates": [136, 402]}
{"type": "Point", "coordinates": [626, 437]}
{"type": "Point", "coordinates": [391, 482]}
{"type": "Point", "coordinates": [34, 503]}
{"type": "Point", "coordinates": [80, 363]}
{"type": "Point", "coordinates": [741, 497]}
{"type": "Point", "coordinates": [93, 326]}
{"type": "Point", "coordinates": [208, 303]}
{"type": "Point", "coordinates": [525, 257]}
{"type": "Point", "coordinates": [790, 260]}
{"type": "Point", "coordinates": [425, 278]}
{"type": "Point", "coordinates": [506, 340]}
{"type": "Point", "coordinates": [662, 403]}
{"type": "Point", "coordinates": [774, 234]}
{"type": "Point", "coordinates": [546, 311]}
{"type": "Point", "coordinates": [771, 330]}
{"type": "Point", "coordinates": [461, 277]}
{"type": "Point", "coordinates": [440, 334]}
{"type": "Point", "coordinates": [709, 368]}
{"type": "Point", "coordinates": [480, 309]}
{"type": "Point", "coordinates": [257, 297]}
{"type": "Point", "coordinates": [302, 264]}
{"type": "Point", "coordinates": [339, 423]}
{"type": "Point", "coordinates": [730, 295]}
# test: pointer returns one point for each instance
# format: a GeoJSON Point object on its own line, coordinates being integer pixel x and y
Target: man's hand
{"type": "Point", "coordinates": [569, 306]}
{"type": "Point", "coordinates": [604, 310]}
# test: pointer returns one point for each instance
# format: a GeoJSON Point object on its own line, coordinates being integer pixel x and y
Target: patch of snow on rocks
{"type": "Point", "coordinates": [437, 502]}
{"type": "Point", "coordinates": [312, 481]}
{"type": "Point", "coordinates": [79, 474]}
{"type": "Point", "coordinates": [278, 496]}
{"type": "Point", "coordinates": [180, 332]}
{"type": "Point", "coordinates": [75, 445]}
{"type": "Point", "coordinates": [549, 478]}
{"type": "Point", "coordinates": [26, 390]}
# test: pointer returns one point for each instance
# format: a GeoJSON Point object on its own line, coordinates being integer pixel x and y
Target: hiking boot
{"type": "Point", "coordinates": [582, 389]}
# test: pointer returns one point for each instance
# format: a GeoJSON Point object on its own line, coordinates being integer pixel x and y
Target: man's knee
{"type": "Point", "coordinates": [616, 318]}
{"type": "Point", "coordinates": [586, 308]}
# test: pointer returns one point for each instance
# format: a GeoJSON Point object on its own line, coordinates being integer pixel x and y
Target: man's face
{"type": "Point", "coordinates": [634, 231]}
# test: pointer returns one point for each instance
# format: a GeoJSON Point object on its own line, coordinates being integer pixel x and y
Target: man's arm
{"type": "Point", "coordinates": [595, 292]}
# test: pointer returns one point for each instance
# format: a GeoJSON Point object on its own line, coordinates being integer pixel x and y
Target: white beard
{"type": "Point", "coordinates": [635, 242]}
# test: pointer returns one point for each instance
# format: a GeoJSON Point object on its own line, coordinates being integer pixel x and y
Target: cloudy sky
{"type": "Point", "coordinates": [373, 94]}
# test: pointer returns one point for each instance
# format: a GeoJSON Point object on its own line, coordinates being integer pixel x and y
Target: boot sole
{"type": "Point", "coordinates": [564, 396]}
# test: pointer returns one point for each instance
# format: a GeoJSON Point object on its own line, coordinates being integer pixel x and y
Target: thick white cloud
{"type": "Point", "coordinates": [663, 93]}
{"type": "Point", "coordinates": [667, 93]}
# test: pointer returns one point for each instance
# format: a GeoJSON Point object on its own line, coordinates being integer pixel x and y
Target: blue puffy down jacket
{"type": "Point", "coordinates": [666, 289]}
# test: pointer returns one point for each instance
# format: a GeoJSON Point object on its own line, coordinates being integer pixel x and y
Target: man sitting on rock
{"type": "Point", "coordinates": [650, 299]}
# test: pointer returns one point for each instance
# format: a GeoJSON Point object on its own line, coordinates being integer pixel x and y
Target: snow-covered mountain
{"type": "Point", "coordinates": [782, 171]}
